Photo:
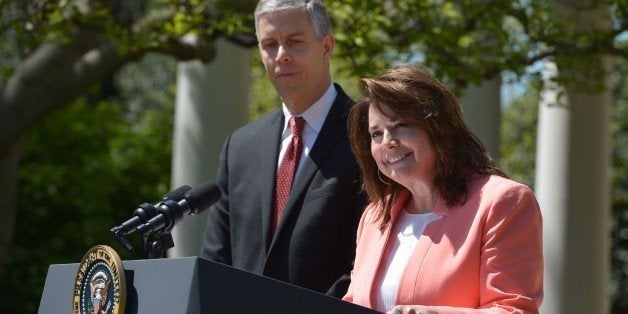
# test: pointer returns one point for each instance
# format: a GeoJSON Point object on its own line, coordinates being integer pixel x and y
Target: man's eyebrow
{"type": "Point", "coordinates": [295, 34]}
{"type": "Point", "coordinates": [266, 39]}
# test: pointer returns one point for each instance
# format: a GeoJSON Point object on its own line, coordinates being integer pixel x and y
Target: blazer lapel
{"type": "Point", "coordinates": [380, 246]}
{"type": "Point", "coordinates": [433, 230]}
{"type": "Point", "coordinates": [268, 153]}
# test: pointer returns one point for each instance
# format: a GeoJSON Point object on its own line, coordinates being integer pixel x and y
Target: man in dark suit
{"type": "Point", "coordinates": [312, 244]}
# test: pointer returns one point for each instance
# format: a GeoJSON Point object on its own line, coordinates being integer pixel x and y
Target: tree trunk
{"type": "Point", "coordinates": [8, 195]}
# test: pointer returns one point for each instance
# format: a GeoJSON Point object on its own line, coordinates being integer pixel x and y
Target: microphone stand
{"type": "Point", "coordinates": [150, 248]}
{"type": "Point", "coordinates": [156, 247]}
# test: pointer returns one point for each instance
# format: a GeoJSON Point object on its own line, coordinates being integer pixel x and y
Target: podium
{"type": "Point", "coordinates": [195, 285]}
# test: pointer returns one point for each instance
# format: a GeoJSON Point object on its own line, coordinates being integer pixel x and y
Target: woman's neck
{"type": "Point", "coordinates": [421, 202]}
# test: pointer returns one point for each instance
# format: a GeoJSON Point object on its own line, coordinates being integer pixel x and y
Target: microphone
{"type": "Point", "coordinates": [146, 211]}
{"type": "Point", "coordinates": [170, 211]}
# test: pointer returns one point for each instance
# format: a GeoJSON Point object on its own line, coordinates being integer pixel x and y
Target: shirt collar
{"type": "Point", "coordinates": [315, 115]}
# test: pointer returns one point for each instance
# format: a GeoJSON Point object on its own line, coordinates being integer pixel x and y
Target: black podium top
{"type": "Point", "coordinates": [195, 285]}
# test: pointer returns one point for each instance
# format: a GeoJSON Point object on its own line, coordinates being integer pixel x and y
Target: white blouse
{"type": "Point", "coordinates": [408, 228]}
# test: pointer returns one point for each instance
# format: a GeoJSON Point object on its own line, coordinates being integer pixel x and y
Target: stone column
{"type": "Point", "coordinates": [573, 189]}
{"type": "Point", "coordinates": [212, 100]}
{"type": "Point", "coordinates": [481, 110]}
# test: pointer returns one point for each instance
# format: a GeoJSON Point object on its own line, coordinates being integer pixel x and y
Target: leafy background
{"type": "Point", "coordinates": [86, 167]}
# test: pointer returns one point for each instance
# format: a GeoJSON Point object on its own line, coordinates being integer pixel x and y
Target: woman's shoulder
{"type": "Point", "coordinates": [496, 184]}
{"type": "Point", "coordinates": [502, 195]}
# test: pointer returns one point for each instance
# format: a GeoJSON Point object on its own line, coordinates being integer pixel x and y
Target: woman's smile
{"type": "Point", "coordinates": [395, 159]}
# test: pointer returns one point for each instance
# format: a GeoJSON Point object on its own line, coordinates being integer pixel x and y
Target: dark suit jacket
{"type": "Point", "coordinates": [314, 245]}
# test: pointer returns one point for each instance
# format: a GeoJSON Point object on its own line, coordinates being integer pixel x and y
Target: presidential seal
{"type": "Point", "coordinates": [99, 286]}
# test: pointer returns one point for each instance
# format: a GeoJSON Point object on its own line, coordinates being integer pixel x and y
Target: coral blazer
{"type": "Point", "coordinates": [484, 256]}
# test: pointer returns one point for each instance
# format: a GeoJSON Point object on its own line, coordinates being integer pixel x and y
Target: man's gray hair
{"type": "Point", "coordinates": [314, 8]}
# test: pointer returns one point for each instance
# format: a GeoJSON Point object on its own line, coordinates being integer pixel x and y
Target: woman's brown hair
{"type": "Point", "coordinates": [413, 95]}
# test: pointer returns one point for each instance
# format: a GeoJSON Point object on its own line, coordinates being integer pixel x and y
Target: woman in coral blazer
{"type": "Point", "coordinates": [446, 231]}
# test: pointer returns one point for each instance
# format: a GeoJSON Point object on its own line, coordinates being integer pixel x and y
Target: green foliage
{"type": "Point", "coordinates": [461, 40]}
{"type": "Point", "coordinates": [264, 98]}
{"type": "Point", "coordinates": [132, 26]}
{"type": "Point", "coordinates": [83, 170]}
{"type": "Point", "coordinates": [466, 41]}
{"type": "Point", "coordinates": [518, 137]}
{"type": "Point", "coordinates": [359, 27]}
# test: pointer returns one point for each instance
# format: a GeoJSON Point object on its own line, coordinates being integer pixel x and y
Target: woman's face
{"type": "Point", "coordinates": [402, 152]}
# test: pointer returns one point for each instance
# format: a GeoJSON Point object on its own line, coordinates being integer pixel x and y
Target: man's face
{"type": "Point", "coordinates": [296, 61]}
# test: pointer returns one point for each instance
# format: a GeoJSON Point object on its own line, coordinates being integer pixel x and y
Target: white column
{"type": "Point", "coordinates": [573, 189]}
{"type": "Point", "coordinates": [481, 110]}
{"type": "Point", "coordinates": [212, 100]}
{"type": "Point", "coordinates": [552, 185]}
{"type": "Point", "coordinates": [572, 182]}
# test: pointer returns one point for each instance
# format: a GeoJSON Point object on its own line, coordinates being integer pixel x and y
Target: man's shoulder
{"type": "Point", "coordinates": [342, 97]}
{"type": "Point", "coordinates": [259, 123]}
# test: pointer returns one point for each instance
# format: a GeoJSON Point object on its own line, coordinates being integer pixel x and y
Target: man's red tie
{"type": "Point", "coordinates": [287, 169]}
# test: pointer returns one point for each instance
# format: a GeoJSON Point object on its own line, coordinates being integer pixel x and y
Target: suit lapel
{"type": "Point", "coordinates": [332, 131]}
{"type": "Point", "coordinates": [269, 152]}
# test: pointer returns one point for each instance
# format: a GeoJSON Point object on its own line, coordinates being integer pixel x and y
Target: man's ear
{"type": "Point", "coordinates": [329, 43]}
